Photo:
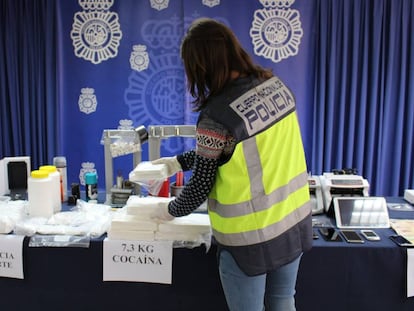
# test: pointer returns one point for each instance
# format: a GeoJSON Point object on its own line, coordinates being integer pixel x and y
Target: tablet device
{"type": "Point", "coordinates": [361, 212]}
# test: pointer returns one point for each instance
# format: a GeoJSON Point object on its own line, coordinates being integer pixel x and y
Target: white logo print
{"type": "Point", "coordinates": [96, 32]}
{"type": "Point", "coordinates": [87, 167]}
{"type": "Point", "coordinates": [87, 101]}
{"type": "Point", "coordinates": [211, 3]}
{"type": "Point", "coordinates": [276, 33]}
{"type": "Point", "coordinates": [159, 4]}
{"type": "Point", "coordinates": [276, 3]}
{"type": "Point", "coordinates": [139, 59]}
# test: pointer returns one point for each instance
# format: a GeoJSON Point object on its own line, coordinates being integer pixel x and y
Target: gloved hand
{"type": "Point", "coordinates": [161, 213]}
{"type": "Point", "coordinates": [172, 164]}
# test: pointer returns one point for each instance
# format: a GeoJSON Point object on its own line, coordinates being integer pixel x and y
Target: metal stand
{"type": "Point", "coordinates": [136, 138]}
{"type": "Point", "coordinates": [158, 132]}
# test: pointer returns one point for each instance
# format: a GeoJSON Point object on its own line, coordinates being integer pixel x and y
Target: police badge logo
{"type": "Point", "coordinates": [211, 3]}
{"type": "Point", "coordinates": [159, 4]}
{"type": "Point", "coordinates": [96, 33]}
{"type": "Point", "coordinates": [139, 59]}
{"type": "Point", "coordinates": [87, 167]}
{"type": "Point", "coordinates": [87, 101]}
{"type": "Point", "coordinates": [276, 33]}
{"type": "Point", "coordinates": [276, 3]}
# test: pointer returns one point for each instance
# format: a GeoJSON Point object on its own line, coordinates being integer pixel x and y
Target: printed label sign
{"type": "Point", "coordinates": [11, 256]}
{"type": "Point", "coordinates": [137, 261]}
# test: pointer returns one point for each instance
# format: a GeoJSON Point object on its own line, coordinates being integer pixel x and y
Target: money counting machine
{"type": "Point", "coordinates": [315, 191]}
{"type": "Point", "coordinates": [333, 185]}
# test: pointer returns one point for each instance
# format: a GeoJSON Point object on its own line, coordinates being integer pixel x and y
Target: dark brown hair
{"type": "Point", "coordinates": [210, 52]}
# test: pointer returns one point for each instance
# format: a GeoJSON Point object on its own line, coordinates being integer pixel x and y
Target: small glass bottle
{"type": "Point", "coordinates": [60, 163]}
{"type": "Point", "coordinates": [91, 186]}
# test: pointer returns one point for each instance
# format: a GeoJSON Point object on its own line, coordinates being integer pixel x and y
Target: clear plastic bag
{"type": "Point", "coordinates": [59, 241]}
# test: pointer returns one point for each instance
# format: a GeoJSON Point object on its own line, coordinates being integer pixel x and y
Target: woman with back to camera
{"type": "Point", "coordinates": [249, 163]}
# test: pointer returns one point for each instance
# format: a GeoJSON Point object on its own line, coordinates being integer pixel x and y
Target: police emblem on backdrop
{"type": "Point", "coordinates": [211, 3]}
{"type": "Point", "coordinates": [96, 32]}
{"type": "Point", "coordinates": [139, 59]}
{"type": "Point", "coordinates": [276, 30]}
{"type": "Point", "coordinates": [87, 101]}
{"type": "Point", "coordinates": [159, 4]}
{"type": "Point", "coordinates": [87, 167]}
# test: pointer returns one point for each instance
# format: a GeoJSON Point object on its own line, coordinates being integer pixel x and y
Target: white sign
{"type": "Point", "coordinates": [137, 261]}
{"type": "Point", "coordinates": [11, 256]}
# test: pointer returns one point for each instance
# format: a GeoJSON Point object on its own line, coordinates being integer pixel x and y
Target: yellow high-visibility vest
{"type": "Point", "coordinates": [262, 191]}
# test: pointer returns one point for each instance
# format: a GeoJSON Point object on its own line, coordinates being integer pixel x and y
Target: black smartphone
{"type": "Point", "coordinates": [401, 241]}
{"type": "Point", "coordinates": [330, 234]}
{"type": "Point", "coordinates": [315, 235]}
{"type": "Point", "coordinates": [351, 236]}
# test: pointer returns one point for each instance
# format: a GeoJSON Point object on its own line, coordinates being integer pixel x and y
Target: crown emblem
{"type": "Point", "coordinates": [276, 3]}
{"type": "Point", "coordinates": [87, 91]}
{"type": "Point", "coordinates": [125, 124]}
{"type": "Point", "coordinates": [159, 4]}
{"type": "Point", "coordinates": [98, 5]}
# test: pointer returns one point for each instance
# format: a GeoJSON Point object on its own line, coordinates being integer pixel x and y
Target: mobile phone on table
{"type": "Point", "coordinates": [351, 236]}
{"type": "Point", "coordinates": [315, 235]}
{"type": "Point", "coordinates": [401, 241]}
{"type": "Point", "coordinates": [370, 235]}
{"type": "Point", "coordinates": [330, 234]}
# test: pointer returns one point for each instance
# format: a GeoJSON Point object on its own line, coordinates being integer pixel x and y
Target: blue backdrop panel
{"type": "Point", "coordinates": [120, 60]}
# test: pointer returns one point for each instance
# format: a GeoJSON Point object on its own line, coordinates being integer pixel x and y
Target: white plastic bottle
{"type": "Point", "coordinates": [60, 163]}
{"type": "Point", "coordinates": [39, 194]}
{"type": "Point", "coordinates": [55, 175]}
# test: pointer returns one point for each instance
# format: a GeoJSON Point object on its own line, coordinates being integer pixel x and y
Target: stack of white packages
{"type": "Point", "coordinates": [149, 176]}
{"type": "Point", "coordinates": [144, 207]}
{"type": "Point", "coordinates": [192, 227]}
{"type": "Point", "coordinates": [134, 223]}
{"type": "Point", "coordinates": [145, 171]}
{"type": "Point", "coordinates": [129, 227]}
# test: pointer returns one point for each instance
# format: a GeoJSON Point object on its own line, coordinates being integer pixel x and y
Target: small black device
{"type": "Point", "coordinates": [17, 178]}
{"type": "Point", "coordinates": [315, 235]}
{"type": "Point", "coordinates": [330, 234]}
{"type": "Point", "coordinates": [351, 236]}
{"type": "Point", "coordinates": [370, 235]}
{"type": "Point", "coordinates": [401, 241]}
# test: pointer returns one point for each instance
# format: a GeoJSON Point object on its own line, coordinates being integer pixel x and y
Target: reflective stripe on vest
{"type": "Point", "coordinates": [256, 199]}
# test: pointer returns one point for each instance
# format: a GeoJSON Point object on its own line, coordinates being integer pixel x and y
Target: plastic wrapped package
{"type": "Point", "coordinates": [134, 222]}
{"type": "Point", "coordinates": [150, 176]}
{"type": "Point", "coordinates": [87, 219]}
{"type": "Point", "coordinates": [10, 213]}
{"type": "Point", "coordinates": [59, 241]}
{"type": "Point", "coordinates": [125, 140]}
{"type": "Point", "coordinates": [187, 231]}
{"type": "Point", "coordinates": [144, 207]}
